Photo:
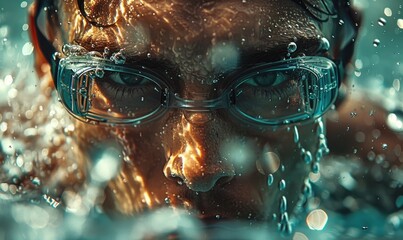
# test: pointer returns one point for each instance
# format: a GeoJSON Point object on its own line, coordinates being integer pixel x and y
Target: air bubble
{"type": "Point", "coordinates": [341, 22]}
{"type": "Point", "coordinates": [384, 146]}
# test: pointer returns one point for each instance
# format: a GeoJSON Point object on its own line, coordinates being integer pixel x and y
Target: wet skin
{"type": "Point", "coordinates": [180, 159]}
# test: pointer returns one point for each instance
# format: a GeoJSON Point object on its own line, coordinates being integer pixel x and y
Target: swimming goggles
{"type": "Point", "coordinates": [97, 90]}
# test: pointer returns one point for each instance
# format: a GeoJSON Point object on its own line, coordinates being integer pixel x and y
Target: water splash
{"type": "Point", "coordinates": [118, 57]}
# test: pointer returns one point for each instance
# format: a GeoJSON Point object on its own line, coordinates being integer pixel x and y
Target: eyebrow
{"type": "Point", "coordinates": [306, 46]}
{"type": "Point", "coordinates": [159, 66]}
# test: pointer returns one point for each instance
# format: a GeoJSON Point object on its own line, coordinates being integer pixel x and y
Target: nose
{"type": "Point", "coordinates": [197, 176]}
{"type": "Point", "coordinates": [197, 161]}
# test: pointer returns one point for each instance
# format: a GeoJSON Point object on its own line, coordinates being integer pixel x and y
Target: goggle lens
{"type": "Point", "coordinates": [279, 93]}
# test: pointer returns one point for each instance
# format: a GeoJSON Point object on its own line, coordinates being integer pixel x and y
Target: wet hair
{"type": "Point", "coordinates": [321, 10]}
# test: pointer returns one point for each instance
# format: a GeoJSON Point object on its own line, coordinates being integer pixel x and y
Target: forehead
{"type": "Point", "coordinates": [153, 23]}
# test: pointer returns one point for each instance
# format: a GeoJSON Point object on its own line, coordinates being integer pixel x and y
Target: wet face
{"type": "Point", "coordinates": [209, 163]}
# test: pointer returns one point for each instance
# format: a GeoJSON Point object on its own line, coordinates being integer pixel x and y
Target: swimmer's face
{"type": "Point", "coordinates": [212, 164]}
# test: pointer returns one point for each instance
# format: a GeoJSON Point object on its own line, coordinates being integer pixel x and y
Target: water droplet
{"type": "Point", "coordinates": [325, 44]}
{"type": "Point", "coordinates": [395, 121]}
{"type": "Point", "coordinates": [353, 114]}
{"type": "Point", "coordinates": [99, 72]}
{"type": "Point", "coordinates": [283, 204]}
{"type": "Point", "coordinates": [270, 163]}
{"type": "Point", "coordinates": [106, 166]}
{"type": "Point", "coordinates": [316, 219]}
{"type": "Point", "coordinates": [36, 181]}
{"type": "Point", "coordinates": [321, 127]}
{"type": "Point", "coordinates": [307, 190]}
{"type": "Point", "coordinates": [118, 57]}
{"type": "Point", "coordinates": [323, 149]}
{"type": "Point", "coordinates": [384, 146]}
{"type": "Point", "coordinates": [94, 54]}
{"type": "Point", "coordinates": [315, 167]}
{"type": "Point", "coordinates": [296, 134]}
{"type": "Point", "coordinates": [217, 216]}
{"type": "Point", "coordinates": [292, 47]}
{"type": "Point", "coordinates": [382, 22]}
{"type": "Point", "coordinates": [270, 179]}
{"type": "Point", "coordinates": [83, 92]}
{"type": "Point", "coordinates": [167, 201]}
{"type": "Point", "coordinates": [282, 184]}
{"type": "Point", "coordinates": [307, 156]}
{"type": "Point", "coordinates": [376, 42]}
{"type": "Point", "coordinates": [285, 225]}
{"type": "Point", "coordinates": [106, 52]}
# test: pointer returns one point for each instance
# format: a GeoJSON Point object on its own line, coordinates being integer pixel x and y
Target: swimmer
{"type": "Point", "coordinates": [216, 107]}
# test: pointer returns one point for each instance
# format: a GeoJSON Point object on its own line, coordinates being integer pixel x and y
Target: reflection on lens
{"type": "Point", "coordinates": [113, 97]}
{"type": "Point", "coordinates": [281, 98]}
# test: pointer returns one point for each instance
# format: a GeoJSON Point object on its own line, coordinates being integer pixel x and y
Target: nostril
{"type": "Point", "coordinates": [223, 180]}
{"type": "Point", "coordinates": [171, 174]}
{"type": "Point", "coordinates": [206, 182]}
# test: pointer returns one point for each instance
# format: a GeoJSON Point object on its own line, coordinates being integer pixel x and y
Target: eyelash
{"type": "Point", "coordinates": [278, 91]}
{"type": "Point", "coordinates": [125, 91]}
{"type": "Point", "coordinates": [120, 91]}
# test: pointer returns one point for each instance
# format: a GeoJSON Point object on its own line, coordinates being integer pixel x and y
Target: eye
{"type": "Point", "coordinates": [127, 79]}
{"type": "Point", "coordinates": [267, 79]}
